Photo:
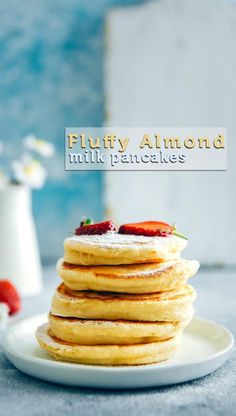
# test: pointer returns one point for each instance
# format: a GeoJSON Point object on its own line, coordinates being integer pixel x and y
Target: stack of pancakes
{"type": "Point", "coordinates": [123, 301]}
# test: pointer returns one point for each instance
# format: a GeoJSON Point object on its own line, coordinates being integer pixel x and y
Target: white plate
{"type": "Point", "coordinates": [205, 347]}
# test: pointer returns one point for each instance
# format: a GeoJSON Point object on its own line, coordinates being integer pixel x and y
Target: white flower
{"type": "Point", "coordinates": [3, 315]}
{"type": "Point", "coordinates": [29, 171]}
{"type": "Point", "coordinates": [40, 146]}
{"type": "Point", "coordinates": [3, 180]}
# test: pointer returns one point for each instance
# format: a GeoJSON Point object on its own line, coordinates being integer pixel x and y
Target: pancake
{"type": "Point", "coordinates": [113, 248]}
{"type": "Point", "coordinates": [139, 278]}
{"type": "Point", "coordinates": [106, 354]}
{"type": "Point", "coordinates": [172, 306]}
{"type": "Point", "coordinates": [92, 332]}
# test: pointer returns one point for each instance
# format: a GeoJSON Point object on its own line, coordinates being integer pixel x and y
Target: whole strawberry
{"type": "Point", "coordinates": [10, 296]}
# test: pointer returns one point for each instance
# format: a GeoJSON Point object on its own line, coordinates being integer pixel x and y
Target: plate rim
{"type": "Point", "coordinates": [122, 368]}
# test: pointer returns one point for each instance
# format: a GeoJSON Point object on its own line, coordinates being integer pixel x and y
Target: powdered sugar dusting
{"type": "Point", "coordinates": [119, 240]}
{"type": "Point", "coordinates": [153, 269]}
{"type": "Point", "coordinates": [158, 268]}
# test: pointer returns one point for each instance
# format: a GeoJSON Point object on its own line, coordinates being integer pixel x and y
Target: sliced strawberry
{"type": "Point", "coordinates": [148, 228]}
{"type": "Point", "coordinates": [93, 229]}
{"type": "Point", "coordinates": [10, 296]}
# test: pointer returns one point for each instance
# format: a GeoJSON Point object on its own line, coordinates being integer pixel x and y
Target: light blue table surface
{"type": "Point", "coordinates": [21, 395]}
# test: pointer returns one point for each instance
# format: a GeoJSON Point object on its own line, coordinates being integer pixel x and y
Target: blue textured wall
{"type": "Point", "coordinates": [51, 70]}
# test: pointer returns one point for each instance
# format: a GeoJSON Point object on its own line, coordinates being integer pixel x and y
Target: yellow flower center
{"type": "Point", "coordinates": [29, 169]}
{"type": "Point", "coordinates": [40, 143]}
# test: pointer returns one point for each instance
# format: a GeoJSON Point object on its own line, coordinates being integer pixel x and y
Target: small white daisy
{"type": "Point", "coordinates": [30, 172]}
{"type": "Point", "coordinates": [4, 180]}
{"type": "Point", "coordinates": [40, 146]}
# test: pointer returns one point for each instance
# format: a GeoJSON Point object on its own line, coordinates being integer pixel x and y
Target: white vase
{"type": "Point", "coordinates": [19, 253]}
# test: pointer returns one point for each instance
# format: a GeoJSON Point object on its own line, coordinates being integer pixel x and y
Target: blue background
{"type": "Point", "coordinates": [51, 67]}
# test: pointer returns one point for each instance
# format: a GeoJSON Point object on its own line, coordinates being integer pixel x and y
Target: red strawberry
{"type": "Point", "coordinates": [10, 296]}
{"type": "Point", "coordinates": [93, 229]}
{"type": "Point", "coordinates": [147, 228]}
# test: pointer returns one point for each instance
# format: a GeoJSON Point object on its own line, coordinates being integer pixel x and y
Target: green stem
{"type": "Point", "coordinates": [179, 235]}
